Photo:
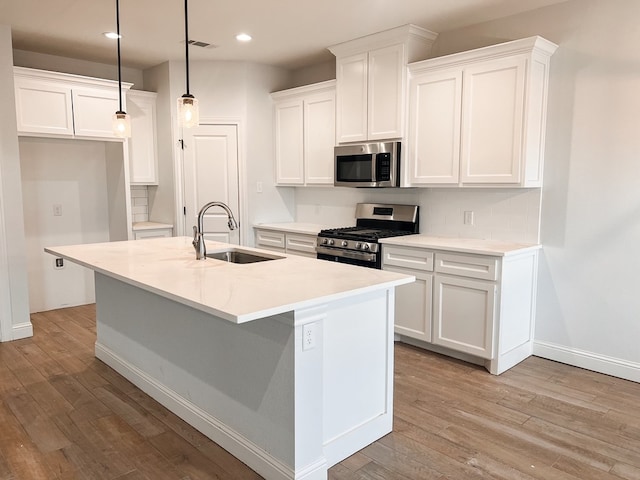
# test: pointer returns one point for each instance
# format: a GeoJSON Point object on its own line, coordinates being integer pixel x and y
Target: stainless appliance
{"type": "Point", "coordinates": [368, 165]}
{"type": "Point", "coordinates": [359, 245]}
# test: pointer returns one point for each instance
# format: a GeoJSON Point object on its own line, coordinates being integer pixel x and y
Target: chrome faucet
{"type": "Point", "coordinates": [198, 231]}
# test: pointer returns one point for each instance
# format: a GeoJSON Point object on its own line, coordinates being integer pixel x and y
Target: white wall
{"type": "Point", "coordinates": [55, 63]}
{"type": "Point", "coordinates": [14, 311]}
{"type": "Point", "coordinates": [236, 92]}
{"type": "Point", "coordinates": [501, 214]}
{"type": "Point", "coordinates": [72, 174]}
{"type": "Point", "coordinates": [588, 303]}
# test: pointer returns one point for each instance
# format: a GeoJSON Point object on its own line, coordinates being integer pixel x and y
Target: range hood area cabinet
{"type": "Point", "coordinates": [305, 134]}
{"type": "Point", "coordinates": [371, 76]}
{"type": "Point", "coordinates": [478, 118]}
{"type": "Point", "coordinates": [51, 104]}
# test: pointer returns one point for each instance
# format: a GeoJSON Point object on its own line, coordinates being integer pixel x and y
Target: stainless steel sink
{"type": "Point", "coordinates": [241, 256]}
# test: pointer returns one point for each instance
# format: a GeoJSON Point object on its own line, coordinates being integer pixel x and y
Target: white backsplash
{"type": "Point", "coordinates": [499, 214]}
{"type": "Point", "coordinates": [139, 203]}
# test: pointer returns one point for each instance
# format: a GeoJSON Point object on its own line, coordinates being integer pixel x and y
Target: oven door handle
{"type": "Point", "coordinates": [367, 257]}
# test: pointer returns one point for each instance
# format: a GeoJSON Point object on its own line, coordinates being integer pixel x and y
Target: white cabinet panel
{"type": "Point", "coordinates": [43, 108]}
{"type": "Point", "coordinates": [289, 126]}
{"type": "Point", "coordinates": [304, 245]}
{"type": "Point", "coordinates": [63, 105]}
{"type": "Point", "coordinates": [435, 106]}
{"type": "Point", "coordinates": [143, 157]}
{"type": "Point", "coordinates": [413, 305]}
{"type": "Point", "coordinates": [464, 315]}
{"type": "Point", "coordinates": [319, 138]}
{"type": "Point", "coordinates": [270, 240]}
{"type": "Point", "coordinates": [305, 134]}
{"type": "Point", "coordinates": [386, 92]}
{"type": "Point", "coordinates": [492, 121]}
{"type": "Point", "coordinates": [478, 118]}
{"type": "Point", "coordinates": [351, 109]}
{"type": "Point", "coordinates": [93, 111]}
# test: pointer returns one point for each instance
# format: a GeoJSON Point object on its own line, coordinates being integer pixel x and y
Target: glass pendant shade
{"type": "Point", "coordinates": [121, 125]}
{"type": "Point", "coordinates": [188, 111]}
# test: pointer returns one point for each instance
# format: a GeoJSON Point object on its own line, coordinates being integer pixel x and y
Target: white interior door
{"type": "Point", "coordinates": [210, 168]}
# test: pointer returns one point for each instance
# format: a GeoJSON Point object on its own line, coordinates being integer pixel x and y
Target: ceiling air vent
{"type": "Point", "coordinates": [198, 43]}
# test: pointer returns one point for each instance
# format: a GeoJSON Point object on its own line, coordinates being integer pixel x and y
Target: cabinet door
{"type": "Point", "coordinates": [143, 159]}
{"type": "Point", "coordinates": [464, 315]}
{"type": "Point", "coordinates": [319, 138]}
{"type": "Point", "coordinates": [386, 74]}
{"type": "Point", "coordinates": [413, 305]}
{"type": "Point", "coordinates": [43, 108]}
{"type": "Point", "coordinates": [351, 108]}
{"type": "Point", "coordinates": [289, 142]}
{"type": "Point", "coordinates": [93, 111]}
{"type": "Point", "coordinates": [435, 104]}
{"type": "Point", "coordinates": [493, 106]}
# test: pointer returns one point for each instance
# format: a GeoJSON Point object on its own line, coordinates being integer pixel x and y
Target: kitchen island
{"type": "Point", "coordinates": [286, 363]}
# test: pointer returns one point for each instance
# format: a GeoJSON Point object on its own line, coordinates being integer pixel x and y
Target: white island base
{"type": "Point", "coordinates": [290, 394]}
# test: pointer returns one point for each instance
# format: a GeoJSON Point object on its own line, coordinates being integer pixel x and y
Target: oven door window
{"type": "Point", "coordinates": [354, 168]}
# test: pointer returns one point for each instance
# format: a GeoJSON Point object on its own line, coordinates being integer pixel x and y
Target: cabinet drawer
{"type": "Point", "coordinates": [413, 258]}
{"type": "Point", "coordinates": [153, 233]}
{"type": "Point", "coordinates": [301, 243]}
{"type": "Point", "coordinates": [266, 238]}
{"type": "Point", "coordinates": [484, 268]}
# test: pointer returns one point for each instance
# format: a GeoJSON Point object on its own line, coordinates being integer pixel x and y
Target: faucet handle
{"type": "Point", "coordinates": [196, 234]}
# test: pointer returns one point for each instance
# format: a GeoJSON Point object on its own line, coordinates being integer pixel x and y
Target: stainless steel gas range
{"type": "Point", "coordinates": [359, 245]}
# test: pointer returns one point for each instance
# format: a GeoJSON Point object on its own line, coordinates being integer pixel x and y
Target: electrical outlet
{"type": "Point", "coordinates": [259, 187]}
{"type": "Point", "coordinates": [468, 218]}
{"type": "Point", "coordinates": [57, 210]}
{"type": "Point", "coordinates": [308, 336]}
{"type": "Point", "coordinates": [59, 263]}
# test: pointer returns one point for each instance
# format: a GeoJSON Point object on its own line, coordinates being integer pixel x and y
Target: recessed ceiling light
{"type": "Point", "coordinates": [112, 35]}
{"type": "Point", "coordinates": [243, 37]}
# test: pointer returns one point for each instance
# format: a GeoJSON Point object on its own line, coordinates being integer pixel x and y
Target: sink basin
{"type": "Point", "coordinates": [241, 256]}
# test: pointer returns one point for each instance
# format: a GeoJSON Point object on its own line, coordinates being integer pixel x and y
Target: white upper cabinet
{"type": "Point", "coordinates": [304, 120]}
{"type": "Point", "coordinates": [143, 154]}
{"type": "Point", "coordinates": [478, 118]}
{"type": "Point", "coordinates": [371, 78]}
{"type": "Point", "coordinates": [64, 105]}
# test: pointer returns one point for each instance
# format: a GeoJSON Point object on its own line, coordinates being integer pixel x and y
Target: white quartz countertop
{"type": "Point", "coordinates": [293, 227]}
{"type": "Point", "coordinates": [463, 245]}
{"type": "Point", "coordinates": [236, 292]}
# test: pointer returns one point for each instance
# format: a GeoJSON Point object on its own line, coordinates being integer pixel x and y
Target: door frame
{"type": "Point", "coordinates": [242, 214]}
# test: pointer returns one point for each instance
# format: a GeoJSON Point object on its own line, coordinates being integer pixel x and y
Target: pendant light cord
{"type": "Point", "coordinates": [186, 41]}
{"type": "Point", "coordinates": [119, 68]}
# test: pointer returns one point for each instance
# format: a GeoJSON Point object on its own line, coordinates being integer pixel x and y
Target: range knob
{"type": "Point", "coordinates": [365, 246]}
{"type": "Point", "coordinates": [358, 245]}
{"type": "Point", "coordinates": [331, 242]}
{"type": "Point", "coordinates": [344, 243]}
{"type": "Point", "coordinates": [325, 241]}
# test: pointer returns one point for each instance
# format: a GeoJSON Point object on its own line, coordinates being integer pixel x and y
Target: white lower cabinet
{"type": "Point", "coordinates": [471, 306]}
{"type": "Point", "coordinates": [464, 315]}
{"type": "Point", "coordinates": [286, 242]}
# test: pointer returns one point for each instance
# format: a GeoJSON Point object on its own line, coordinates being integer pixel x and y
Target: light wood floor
{"type": "Point", "coordinates": [65, 415]}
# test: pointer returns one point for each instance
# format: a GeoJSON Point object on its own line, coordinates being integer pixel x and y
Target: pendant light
{"type": "Point", "coordinates": [121, 121]}
{"type": "Point", "coordinates": [188, 114]}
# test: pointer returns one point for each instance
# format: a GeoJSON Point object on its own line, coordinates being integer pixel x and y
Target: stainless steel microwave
{"type": "Point", "coordinates": [368, 165]}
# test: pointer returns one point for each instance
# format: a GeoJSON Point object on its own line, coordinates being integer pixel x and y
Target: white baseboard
{"type": "Point", "coordinates": [591, 361]}
{"type": "Point", "coordinates": [256, 458]}
{"type": "Point", "coordinates": [22, 330]}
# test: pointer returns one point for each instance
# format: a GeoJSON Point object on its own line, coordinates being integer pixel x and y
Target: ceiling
{"type": "Point", "coordinates": [286, 33]}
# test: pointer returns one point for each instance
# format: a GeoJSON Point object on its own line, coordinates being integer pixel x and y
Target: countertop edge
{"type": "Point", "coordinates": [501, 249]}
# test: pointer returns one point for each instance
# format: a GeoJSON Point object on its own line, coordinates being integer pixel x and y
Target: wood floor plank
{"type": "Point", "coordinates": [66, 415]}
